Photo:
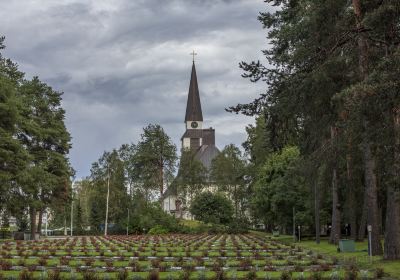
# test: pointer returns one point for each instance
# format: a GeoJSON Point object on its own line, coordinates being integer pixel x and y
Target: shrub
{"type": "Point", "coordinates": [25, 275]}
{"type": "Point", "coordinates": [351, 274]}
{"type": "Point", "coordinates": [252, 275]}
{"type": "Point", "coordinates": [122, 274]}
{"type": "Point", "coordinates": [379, 272]}
{"type": "Point", "coordinates": [90, 275]}
{"type": "Point", "coordinates": [220, 275]}
{"type": "Point", "coordinates": [54, 275]}
{"type": "Point", "coordinates": [158, 229]}
{"type": "Point", "coordinates": [42, 261]}
{"type": "Point", "coordinates": [154, 275]}
{"type": "Point", "coordinates": [286, 275]}
{"type": "Point", "coordinates": [5, 265]}
{"type": "Point", "coordinates": [316, 276]}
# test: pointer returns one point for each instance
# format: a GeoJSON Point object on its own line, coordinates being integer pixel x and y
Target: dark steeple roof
{"type": "Point", "coordinates": [193, 107]}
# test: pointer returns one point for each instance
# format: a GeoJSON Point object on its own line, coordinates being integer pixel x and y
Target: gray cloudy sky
{"type": "Point", "coordinates": [125, 63]}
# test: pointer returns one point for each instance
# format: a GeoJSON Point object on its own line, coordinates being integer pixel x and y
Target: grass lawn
{"type": "Point", "coordinates": [360, 256]}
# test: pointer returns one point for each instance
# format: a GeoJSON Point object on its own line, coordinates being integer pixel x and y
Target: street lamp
{"type": "Point", "coordinates": [72, 206]}
{"type": "Point", "coordinates": [108, 196]}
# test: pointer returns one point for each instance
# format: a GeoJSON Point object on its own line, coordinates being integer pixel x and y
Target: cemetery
{"type": "Point", "coordinates": [172, 256]}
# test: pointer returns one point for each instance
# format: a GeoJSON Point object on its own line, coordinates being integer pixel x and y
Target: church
{"type": "Point", "coordinates": [196, 138]}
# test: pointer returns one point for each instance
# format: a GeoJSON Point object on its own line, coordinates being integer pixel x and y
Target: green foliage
{"type": "Point", "coordinates": [34, 144]}
{"type": "Point", "coordinates": [228, 173]}
{"type": "Point", "coordinates": [212, 208]}
{"type": "Point", "coordinates": [155, 158]}
{"type": "Point", "coordinates": [158, 229]}
{"type": "Point", "coordinates": [279, 188]}
{"type": "Point", "coordinates": [192, 175]}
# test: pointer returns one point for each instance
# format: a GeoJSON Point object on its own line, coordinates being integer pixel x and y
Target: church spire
{"type": "Point", "coordinates": [193, 107]}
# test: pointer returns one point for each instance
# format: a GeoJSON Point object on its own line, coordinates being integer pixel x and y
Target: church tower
{"type": "Point", "coordinates": [195, 136]}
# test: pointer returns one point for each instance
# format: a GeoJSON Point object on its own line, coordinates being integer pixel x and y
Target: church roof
{"type": "Point", "coordinates": [205, 154]}
{"type": "Point", "coordinates": [193, 107]}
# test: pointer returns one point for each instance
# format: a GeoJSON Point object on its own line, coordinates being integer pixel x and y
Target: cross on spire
{"type": "Point", "coordinates": [193, 54]}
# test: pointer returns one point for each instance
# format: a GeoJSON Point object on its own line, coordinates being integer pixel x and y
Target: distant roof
{"type": "Point", "coordinates": [206, 153]}
{"type": "Point", "coordinates": [193, 106]}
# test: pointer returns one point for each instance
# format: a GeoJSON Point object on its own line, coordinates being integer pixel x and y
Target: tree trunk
{"type": "Point", "coordinates": [369, 159]}
{"type": "Point", "coordinates": [351, 196]}
{"type": "Point", "coordinates": [392, 233]}
{"type": "Point", "coordinates": [39, 227]}
{"type": "Point", "coordinates": [363, 220]}
{"type": "Point", "coordinates": [32, 213]}
{"type": "Point", "coordinates": [372, 199]}
{"type": "Point", "coordinates": [335, 231]}
{"type": "Point", "coordinates": [161, 180]}
{"type": "Point", "coordinates": [316, 209]}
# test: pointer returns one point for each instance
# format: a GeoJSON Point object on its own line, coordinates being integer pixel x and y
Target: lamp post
{"type": "Point", "coordinates": [72, 207]}
{"type": "Point", "coordinates": [108, 196]}
{"type": "Point", "coordinates": [47, 221]}
{"type": "Point", "coordinates": [369, 228]}
{"type": "Point", "coordinates": [299, 228]}
{"type": "Point", "coordinates": [127, 224]}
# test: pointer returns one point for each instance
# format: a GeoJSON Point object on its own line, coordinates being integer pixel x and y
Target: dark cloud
{"type": "Point", "coordinates": [123, 64]}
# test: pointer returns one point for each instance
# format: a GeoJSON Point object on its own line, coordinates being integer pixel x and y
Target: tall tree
{"type": "Point", "coordinates": [192, 175]}
{"type": "Point", "coordinates": [228, 173]}
{"type": "Point", "coordinates": [13, 156]}
{"type": "Point", "coordinates": [47, 140]}
{"type": "Point", "coordinates": [156, 157]}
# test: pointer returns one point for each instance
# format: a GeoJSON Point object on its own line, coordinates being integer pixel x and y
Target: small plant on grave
{"type": "Point", "coordinates": [42, 261]}
{"type": "Point", "coordinates": [238, 254]}
{"type": "Point", "coordinates": [244, 264]}
{"type": "Point", "coordinates": [379, 272]}
{"type": "Point", "coordinates": [335, 275]}
{"type": "Point", "coordinates": [154, 275]}
{"type": "Point", "coordinates": [5, 265]}
{"type": "Point", "coordinates": [54, 275]}
{"type": "Point", "coordinates": [351, 274]}
{"type": "Point", "coordinates": [21, 262]}
{"type": "Point", "coordinates": [298, 268]}
{"type": "Point", "coordinates": [314, 261]}
{"type": "Point", "coordinates": [199, 261]}
{"type": "Point", "coordinates": [162, 267]}
{"type": "Point", "coordinates": [155, 263]}
{"type": "Point", "coordinates": [325, 267]}
{"type": "Point", "coordinates": [201, 275]}
{"type": "Point", "coordinates": [316, 275]}
{"type": "Point", "coordinates": [221, 275]}
{"type": "Point", "coordinates": [25, 275]}
{"type": "Point", "coordinates": [135, 265]}
{"type": "Point", "coordinates": [286, 275]}
{"type": "Point", "coordinates": [216, 266]}
{"type": "Point", "coordinates": [90, 275]}
{"type": "Point", "coordinates": [88, 261]}
{"type": "Point", "coordinates": [109, 263]}
{"type": "Point", "coordinates": [185, 275]}
{"type": "Point", "coordinates": [122, 274]}
{"type": "Point", "coordinates": [64, 260]}
{"type": "Point", "coordinates": [251, 275]}
{"type": "Point", "coordinates": [364, 274]}
{"type": "Point", "coordinates": [137, 277]}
